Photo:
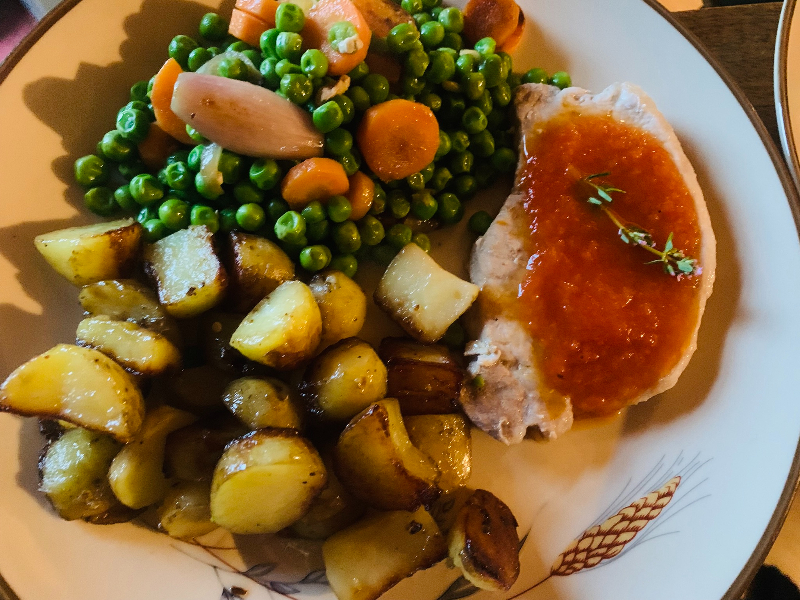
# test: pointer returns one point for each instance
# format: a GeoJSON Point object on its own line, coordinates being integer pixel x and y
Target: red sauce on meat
{"type": "Point", "coordinates": [610, 325]}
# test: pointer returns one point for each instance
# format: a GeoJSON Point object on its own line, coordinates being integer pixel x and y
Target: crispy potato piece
{"type": "Point", "coordinates": [137, 472]}
{"type": "Point", "coordinates": [93, 252]}
{"type": "Point", "coordinates": [263, 402]}
{"type": "Point", "coordinates": [421, 296]}
{"type": "Point", "coordinates": [256, 267]}
{"type": "Point", "coordinates": [191, 453]}
{"type": "Point", "coordinates": [283, 330]}
{"type": "Point", "coordinates": [342, 304]}
{"type": "Point", "coordinates": [369, 557]}
{"type": "Point", "coordinates": [265, 481]}
{"type": "Point", "coordinates": [73, 473]}
{"type": "Point", "coordinates": [137, 349]}
{"type": "Point", "coordinates": [78, 385]}
{"type": "Point", "coordinates": [446, 439]}
{"type": "Point", "coordinates": [118, 513]}
{"type": "Point", "coordinates": [185, 512]}
{"type": "Point", "coordinates": [344, 380]}
{"type": "Point", "coordinates": [447, 506]}
{"type": "Point", "coordinates": [425, 378]}
{"type": "Point", "coordinates": [378, 464]}
{"type": "Point", "coordinates": [483, 542]}
{"type": "Point", "coordinates": [187, 272]}
{"type": "Point", "coordinates": [382, 15]}
{"type": "Point", "coordinates": [129, 300]}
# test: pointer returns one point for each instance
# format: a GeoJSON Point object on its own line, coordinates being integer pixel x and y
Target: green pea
{"type": "Point", "coordinates": [371, 230]}
{"type": "Point", "coordinates": [412, 86]}
{"type": "Point", "coordinates": [427, 172]}
{"type": "Point", "coordinates": [507, 61]}
{"type": "Point", "coordinates": [441, 177]}
{"type": "Point", "coordinates": [561, 80]}
{"type": "Point", "coordinates": [315, 258]}
{"type": "Point", "coordinates": [348, 109]}
{"type": "Point", "coordinates": [290, 227]}
{"type": "Point", "coordinates": [415, 182]}
{"type": "Point", "coordinates": [231, 166]}
{"type": "Point", "coordinates": [204, 215]}
{"type": "Point", "coordinates": [213, 27]}
{"type": "Point", "coordinates": [464, 186]}
{"type": "Point", "coordinates": [123, 198]}
{"type": "Point", "coordinates": [154, 230]}
{"type": "Point", "coordinates": [453, 107]}
{"type": "Point", "coordinates": [421, 240]}
{"type": "Point", "coordinates": [265, 173]}
{"type": "Point", "coordinates": [174, 213]}
{"type": "Point", "coordinates": [338, 142]}
{"type": "Point", "coordinates": [484, 174]}
{"type": "Point", "coordinates": [195, 157]}
{"type": "Point", "coordinates": [317, 232]}
{"type": "Point", "coordinates": [286, 67]}
{"type": "Point", "coordinates": [442, 67]}
{"type": "Point", "coordinates": [401, 38]}
{"type": "Point", "coordinates": [276, 208]}
{"type": "Point", "coordinates": [398, 203]}
{"type": "Point", "coordinates": [421, 18]}
{"type": "Point", "coordinates": [139, 91]}
{"type": "Point", "coordinates": [452, 19]}
{"type": "Point", "coordinates": [208, 189]}
{"type": "Point", "coordinates": [180, 47]}
{"type": "Point", "coordinates": [269, 70]}
{"type": "Point", "coordinates": [493, 70]}
{"type": "Point", "coordinates": [100, 200]}
{"type": "Point", "coordinates": [196, 136]}
{"type": "Point", "coordinates": [268, 43]}
{"type": "Point", "coordinates": [377, 87]}
{"type": "Point", "coordinates": [197, 58]}
{"type": "Point", "coordinates": [431, 34]}
{"type": "Point", "coordinates": [445, 145]}
{"type": "Point", "coordinates": [482, 143]}
{"type": "Point", "coordinates": [514, 79]}
{"type": "Point", "coordinates": [473, 120]}
{"type": "Point", "coordinates": [359, 97]}
{"type": "Point", "coordinates": [504, 160]}
{"type": "Point", "coordinates": [146, 189]}
{"type": "Point", "coordinates": [254, 56]}
{"type": "Point", "coordinates": [250, 217]}
{"type": "Point", "coordinates": [461, 162]}
{"type": "Point", "coordinates": [399, 236]}
{"type": "Point", "coordinates": [297, 88]}
{"type": "Point", "coordinates": [339, 209]}
{"type": "Point", "coordinates": [346, 237]}
{"type": "Point", "coordinates": [327, 117]}
{"type": "Point", "coordinates": [452, 41]}
{"type": "Point", "coordinates": [349, 162]}
{"type": "Point", "coordinates": [227, 219]}
{"type": "Point", "coordinates": [484, 102]}
{"type": "Point", "coordinates": [247, 193]}
{"type": "Point", "coordinates": [411, 6]}
{"type": "Point", "coordinates": [233, 67]}
{"type": "Point", "coordinates": [450, 210]}
{"type": "Point", "coordinates": [378, 201]}
{"type": "Point", "coordinates": [115, 147]}
{"type": "Point", "coordinates": [473, 85]}
{"type": "Point", "coordinates": [423, 205]}
{"type": "Point", "coordinates": [91, 170]}
{"type": "Point", "coordinates": [436, 10]}
{"type": "Point", "coordinates": [358, 72]}
{"type": "Point", "coordinates": [289, 17]}
{"type": "Point", "coordinates": [314, 63]}
{"type": "Point", "coordinates": [346, 263]}
{"type": "Point", "coordinates": [459, 141]}
{"type": "Point", "coordinates": [314, 212]}
{"type": "Point", "coordinates": [485, 46]}
{"type": "Point", "coordinates": [465, 64]}
{"type": "Point", "coordinates": [147, 213]}
{"type": "Point", "coordinates": [480, 221]}
{"type": "Point", "coordinates": [177, 176]}
{"type": "Point", "coordinates": [497, 121]}
{"type": "Point", "coordinates": [416, 63]}
{"type": "Point", "coordinates": [536, 75]}
{"type": "Point", "coordinates": [133, 124]}
{"type": "Point", "coordinates": [432, 101]}
{"type": "Point", "coordinates": [501, 94]}
{"type": "Point", "coordinates": [340, 32]}
{"type": "Point", "coordinates": [289, 45]}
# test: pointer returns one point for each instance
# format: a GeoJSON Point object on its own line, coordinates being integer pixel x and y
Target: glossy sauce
{"type": "Point", "coordinates": [609, 325]}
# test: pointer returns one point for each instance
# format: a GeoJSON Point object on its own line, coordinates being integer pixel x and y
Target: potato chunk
{"type": "Point", "coordinates": [137, 472]}
{"type": "Point", "coordinates": [73, 473]}
{"type": "Point", "coordinates": [185, 512]}
{"type": "Point", "coordinates": [78, 385]}
{"type": "Point", "coordinates": [483, 542]}
{"type": "Point", "coordinates": [284, 328]}
{"type": "Point", "coordinates": [93, 252]}
{"type": "Point", "coordinates": [135, 348]}
{"type": "Point", "coordinates": [191, 453]}
{"type": "Point", "coordinates": [185, 268]}
{"type": "Point", "coordinates": [378, 464]}
{"type": "Point", "coordinates": [333, 510]}
{"type": "Point", "coordinates": [342, 304]}
{"type": "Point", "coordinates": [265, 481]}
{"type": "Point", "coordinates": [263, 402]}
{"type": "Point", "coordinates": [446, 439]}
{"type": "Point", "coordinates": [369, 557]}
{"type": "Point", "coordinates": [344, 380]}
{"type": "Point", "coordinates": [421, 296]}
{"type": "Point", "coordinates": [257, 266]}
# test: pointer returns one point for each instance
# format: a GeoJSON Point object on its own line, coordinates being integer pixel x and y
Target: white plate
{"type": "Point", "coordinates": [729, 430]}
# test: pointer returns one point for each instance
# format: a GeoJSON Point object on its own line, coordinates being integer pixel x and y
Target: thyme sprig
{"type": "Point", "coordinates": [672, 260]}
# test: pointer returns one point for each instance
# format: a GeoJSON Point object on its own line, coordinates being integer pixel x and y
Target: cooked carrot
{"type": "Point", "coordinates": [263, 9]}
{"type": "Point", "coordinates": [360, 194]}
{"type": "Point", "coordinates": [156, 147]}
{"type": "Point", "coordinates": [490, 18]}
{"type": "Point", "coordinates": [386, 65]}
{"type": "Point", "coordinates": [319, 21]}
{"type": "Point", "coordinates": [161, 98]}
{"type": "Point", "coordinates": [513, 40]}
{"type": "Point", "coordinates": [247, 27]}
{"type": "Point", "coordinates": [314, 179]}
{"type": "Point", "coordinates": [398, 138]}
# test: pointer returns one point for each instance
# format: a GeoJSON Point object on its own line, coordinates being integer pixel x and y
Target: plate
{"type": "Point", "coordinates": [701, 475]}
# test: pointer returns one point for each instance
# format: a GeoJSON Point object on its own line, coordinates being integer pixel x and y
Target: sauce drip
{"type": "Point", "coordinates": [609, 325]}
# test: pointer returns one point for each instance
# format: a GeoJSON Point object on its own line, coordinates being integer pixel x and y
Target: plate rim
{"type": "Point", "coordinates": [787, 168]}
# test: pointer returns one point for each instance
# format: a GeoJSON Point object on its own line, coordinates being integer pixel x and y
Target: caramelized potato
{"type": "Point", "coordinates": [185, 512]}
{"type": "Point", "coordinates": [93, 252]}
{"type": "Point", "coordinates": [283, 330]}
{"type": "Point", "coordinates": [137, 349]}
{"type": "Point", "coordinates": [344, 380]}
{"type": "Point", "coordinates": [483, 542]}
{"type": "Point", "coordinates": [191, 453]}
{"type": "Point", "coordinates": [187, 272]}
{"type": "Point", "coordinates": [446, 439]}
{"type": "Point", "coordinates": [425, 378]}
{"type": "Point", "coordinates": [421, 296]}
{"type": "Point", "coordinates": [257, 266]}
{"type": "Point", "coordinates": [73, 473]}
{"type": "Point", "coordinates": [342, 305]}
{"type": "Point", "coordinates": [265, 481]}
{"type": "Point", "coordinates": [78, 385]}
{"type": "Point", "coordinates": [263, 402]}
{"type": "Point", "coordinates": [378, 464]}
{"type": "Point", "coordinates": [368, 558]}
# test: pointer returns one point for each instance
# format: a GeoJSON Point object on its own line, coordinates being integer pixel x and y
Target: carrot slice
{"type": "Point", "coordinates": [263, 9]}
{"type": "Point", "coordinates": [319, 21]}
{"type": "Point", "coordinates": [360, 194]}
{"type": "Point", "coordinates": [247, 27]}
{"type": "Point", "coordinates": [156, 147]}
{"type": "Point", "coordinates": [161, 98]}
{"type": "Point", "coordinates": [513, 40]}
{"type": "Point", "coordinates": [398, 138]}
{"type": "Point", "coordinates": [490, 18]}
{"type": "Point", "coordinates": [314, 179]}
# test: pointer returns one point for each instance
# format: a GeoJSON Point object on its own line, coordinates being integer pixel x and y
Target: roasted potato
{"type": "Point", "coordinates": [187, 271]}
{"type": "Point", "coordinates": [421, 296]}
{"type": "Point", "coordinates": [73, 473]}
{"type": "Point", "coordinates": [372, 555]}
{"type": "Point", "coordinates": [342, 304]}
{"type": "Point", "coordinates": [265, 481]}
{"type": "Point", "coordinates": [256, 267]}
{"type": "Point", "coordinates": [137, 349]}
{"type": "Point", "coordinates": [378, 464]}
{"type": "Point", "coordinates": [185, 512]}
{"type": "Point", "coordinates": [344, 380]}
{"type": "Point", "coordinates": [483, 542]}
{"type": "Point", "coordinates": [198, 390]}
{"type": "Point", "coordinates": [283, 330]}
{"type": "Point", "coordinates": [191, 453]}
{"type": "Point", "coordinates": [137, 471]}
{"type": "Point", "coordinates": [446, 439]}
{"type": "Point", "coordinates": [93, 252]}
{"type": "Point", "coordinates": [425, 378]}
{"type": "Point", "coordinates": [263, 402]}
{"type": "Point", "coordinates": [78, 385]}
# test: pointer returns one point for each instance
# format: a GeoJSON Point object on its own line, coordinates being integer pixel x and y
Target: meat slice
{"type": "Point", "coordinates": [510, 392]}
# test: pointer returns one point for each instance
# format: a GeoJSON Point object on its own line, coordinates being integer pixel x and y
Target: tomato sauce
{"type": "Point", "coordinates": [610, 325]}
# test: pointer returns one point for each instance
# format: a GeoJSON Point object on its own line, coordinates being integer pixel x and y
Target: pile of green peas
{"type": "Point", "coordinates": [469, 90]}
